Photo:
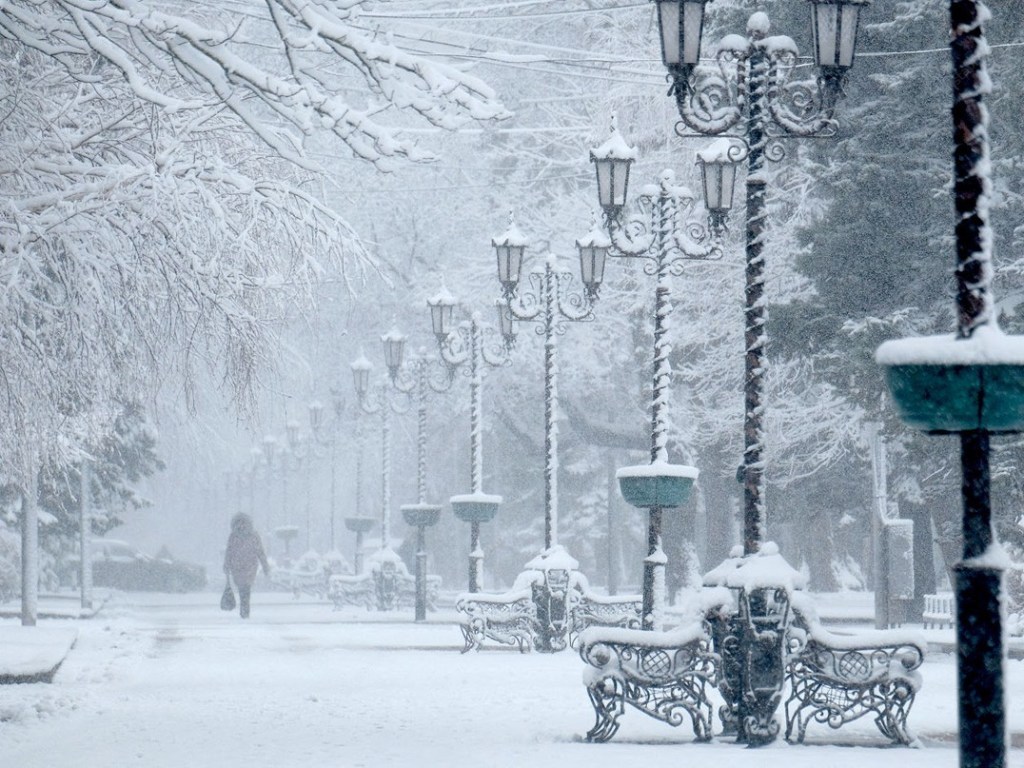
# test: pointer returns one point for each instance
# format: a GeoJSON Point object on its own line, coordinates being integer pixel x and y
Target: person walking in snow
{"type": "Point", "coordinates": [242, 558]}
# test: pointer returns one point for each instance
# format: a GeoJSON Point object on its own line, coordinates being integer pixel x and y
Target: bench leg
{"type": "Point", "coordinates": [471, 637]}
{"type": "Point", "coordinates": [607, 697]}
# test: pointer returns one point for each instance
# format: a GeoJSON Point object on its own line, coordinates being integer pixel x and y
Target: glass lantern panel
{"type": "Point", "coordinates": [604, 182]}
{"type": "Point", "coordinates": [394, 349]}
{"type": "Point", "coordinates": [620, 181]}
{"type": "Point", "coordinates": [690, 31]}
{"type": "Point", "coordinates": [599, 258]}
{"type": "Point", "coordinates": [712, 177]}
{"type": "Point", "coordinates": [514, 262]}
{"type": "Point", "coordinates": [586, 263]}
{"type": "Point", "coordinates": [361, 379]}
{"type": "Point", "coordinates": [441, 318]}
{"type": "Point", "coordinates": [671, 34]}
{"type": "Point", "coordinates": [825, 25]}
{"type": "Point", "coordinates": [728, 185]}
{"type": "Point", "coordinates": [848, 34]}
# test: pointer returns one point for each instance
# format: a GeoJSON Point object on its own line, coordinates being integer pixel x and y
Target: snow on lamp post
{"type": "Point", "coordinates": [376, 400]}
{"type": "Point", "coordinates": [667, 241]}
{"type": "Point", "coordinates": [751, 92]}
{"type": "Point", "coordinates": [764, 97]}
{"type": "Point", "coordinates": [459, 345]}
{"type": "Point", "coordinates": [414, 378]}
{"type": "Point", "coordinates": [318, 429]}
{"type": "Point", "coordinates": [971, 384]}
{"type": "Point", "coordinates": [551, 303]}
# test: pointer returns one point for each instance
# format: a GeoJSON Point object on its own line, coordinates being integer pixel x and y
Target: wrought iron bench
{"type": "Point", "coordinates": [508, 618]}
{"type": "Point", "coordinates": [344, 590]}
{"type": "Point", "coordinates": [664, 674]}
{"type": "Point", "coordinates": [590, 610]}
{"type": "Point", "coordinates": [835, 679]}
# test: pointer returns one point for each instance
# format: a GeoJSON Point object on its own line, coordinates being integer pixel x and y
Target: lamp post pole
{"type": "Point", "coordinates": [763, 95]}
{"type": "Point", "coordinates": [666, 241]}
{"type": "Point", "coordinates": [550, 304]}
{"type": "Point", "coordinates": [415, 380]}
{"type": "Point", "coordinates": [459, 345]}
{"type": "Point", "coordinates": [375, 400]}
{"type": "Point", "coordinates": [755, 93]}
{"type": "Point", "coordinates": [316, 428]}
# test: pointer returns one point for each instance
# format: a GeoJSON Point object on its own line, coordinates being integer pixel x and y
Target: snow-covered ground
{"type": "Point", "coordinates": [171, 681]}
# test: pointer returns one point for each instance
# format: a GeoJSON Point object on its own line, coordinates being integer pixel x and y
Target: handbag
{"type": "Point", "coordinates": [227, 599]}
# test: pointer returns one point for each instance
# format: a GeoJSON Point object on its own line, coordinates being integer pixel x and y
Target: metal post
{"type": "Point", "coordinates": [421, 573]}
{"type": "Point", "coordinates": [476, 553]}
{"type": "Point", "coordinates": [29, 550]}
{"type": "Point", "coordinates": [334, 484]}
{"type": "Point", "coordinates": [84, 534]}
{"type": "Point", "coordinates": [421, 431]}
{"type": "Point", "coordinates": [878, 518]}
{"type": "Point", "coordinates": [613, 581]}
{"type": "Point", "coordinates": [550, 407]}
{"type": "Point", "coordinates": [654, 574]}
{"type": "Point", "coordinates": [309, 506]}
{"type": "Point", "coordinates": [385, 517]}
{"type": "Point", "coordinates": [476, 407]}
{"type": "Point", "coordinates": [476, 557]}
{"type": "Point", "coordinates": [358, 560]}
{"type": "Point", "coordinates": [980, 652]}
{"type": "Point", "coordinates": [754, 310]}
{"type": "Point", "coordinates": [662, 383]}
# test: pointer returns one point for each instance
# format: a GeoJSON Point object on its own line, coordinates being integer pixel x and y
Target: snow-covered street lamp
{"type": "Point", "coordinates": [667, 240]}
{"type": "Point", "coordinates": [550, 302]}
{"type": "Point", "coordinates": [414, 377]}
{"type": "Point", "coordinates": [764, 97]}
{"type": "Point", "coordinates": [377, 400]}
{"type": "Point", "coordinates": [458, 345]}
{"type": "Point", "coordinates": [318, 428]}
{"type": "Point", "coordinates": [752, 91]}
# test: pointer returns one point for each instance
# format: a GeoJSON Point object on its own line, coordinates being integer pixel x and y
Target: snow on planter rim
{"type": "Point", "coordinates": [483, 498]}
{"type": "Point", "coordinates": [987, 346]}
{"type": "Point", "coordinates": [658, 469]}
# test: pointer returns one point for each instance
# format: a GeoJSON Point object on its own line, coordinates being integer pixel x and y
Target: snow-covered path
{"type": "Point", "coordinates": [173, 682]}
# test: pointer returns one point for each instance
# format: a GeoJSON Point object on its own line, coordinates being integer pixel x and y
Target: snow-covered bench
{"type": "Point", "coordinates": [592, 610]}
{"type": "Point", "coordinates": [835, 679]}
{"type": "Point", "coordinates": [664, 674]}
{"type": "Point", "coordinates": [938, 610]}
{"type": "Point", "coordinates": [507, 618]}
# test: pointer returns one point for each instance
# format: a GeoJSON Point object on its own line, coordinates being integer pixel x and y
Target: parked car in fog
{"type": "Point", "coordinates": [118, 565]}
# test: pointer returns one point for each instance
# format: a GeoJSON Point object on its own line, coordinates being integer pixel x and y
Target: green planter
{"type": "Point", "coordinates": [421, 514]}
{"type": "Point", "coordinates": [943, 384]}
{"type": "Point", "coordinates": [475, 508]}
{"type": "Point", "coordinates": [359, 524]}
{"type": "Point", "coordinates": [656, 486]}
{"type": "Point", "coordinates": [946, 398]}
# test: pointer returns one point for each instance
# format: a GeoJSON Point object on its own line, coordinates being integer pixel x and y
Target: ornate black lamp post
{"type": "Point", "coordinates": [317, 428]}
{"type": "Point", "coordinates": [303, 450]}
{"type": "Point", "coordinates": [416, 380]}
{"type": "Point", "coordinates": [458, 345]}
{"type": "Point", "coordinates": [750, 94]}
{"type": "Point", "coordinates": [551, 304]}
{"type": "Point", "coordinates": [971, 384]}
{"type": "Point", "coordinates": [759, 97]}
{"type": "Point", "coordinates": [666, 241]}
{"type": "Point", "coordinates": [377, 400]}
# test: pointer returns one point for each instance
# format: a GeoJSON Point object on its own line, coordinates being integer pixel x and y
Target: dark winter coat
{"type": "Point", "coordinates": [245, 552]}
